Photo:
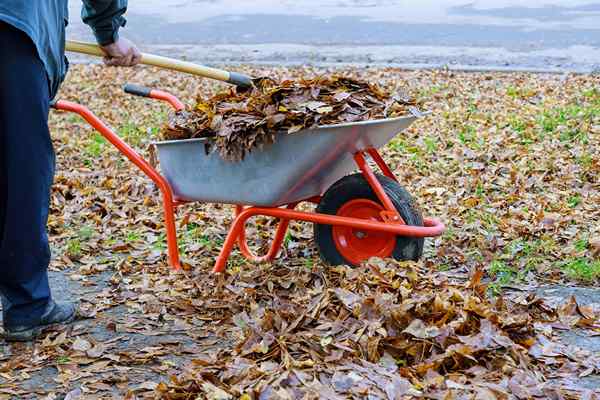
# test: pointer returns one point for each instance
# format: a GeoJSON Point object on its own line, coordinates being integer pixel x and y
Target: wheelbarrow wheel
{"type": "Point", "coordinates": [352, 196]}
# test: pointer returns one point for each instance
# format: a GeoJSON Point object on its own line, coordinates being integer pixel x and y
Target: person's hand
{"type": "Point", "coordinates": [122, 53]}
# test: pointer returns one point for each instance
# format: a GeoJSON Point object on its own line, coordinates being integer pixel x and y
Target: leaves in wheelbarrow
{"type": "Point", "coordinates": [241, 121]}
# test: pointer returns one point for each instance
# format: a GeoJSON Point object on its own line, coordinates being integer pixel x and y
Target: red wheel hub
{"type": "Point", "coordinates": [357, 245]}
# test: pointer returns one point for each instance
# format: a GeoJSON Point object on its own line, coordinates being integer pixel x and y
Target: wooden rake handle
{"type": "Point", "coordinates": [169, 63]}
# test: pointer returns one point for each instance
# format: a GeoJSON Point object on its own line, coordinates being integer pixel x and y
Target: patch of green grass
{"type": "Point", "coordinates": [154, 132]}
{"type": "Point", "coordinates": [574, 201]}
{"type": "Point", "coordinates": [531, 249]}
{"type": "Point", "coordinates": [63, 360]}
{"type": "Point", "coordinates": [195, 233]}
{"type": "Point", "coordinates": [420, 164]}
{"type": "Point", "coordinates": [519, 258]}
{"type": "Point", "coordinates": [573, 135]}
{"type": "Point", "coordinates": [512, 91]}
{"type": "Point", "coordinates": [527, 136]}
{"type": "Point", "coordinates": [585, 160]}
{"type": "Point", "coordinates": [570, 118]}
{"type": "Point", "coordinates": [132, 236]}
{"type": "Point", "coordinates": [494, 289]}
{"type": "Point", "coordinates": [489, 220]}
{"type": "Point", "coordinates": [582, 244]}
{"type": "Point", "coordinates": [471, 216]}
{"type": "Point", "coordinates": [414, 150]}
{"type": "Point", "coordinates": [192, 227]}
{"type": "Point", "coordinates": [287, 240]}
{"type": "Point", "coordinates": [546, 245]}
{"type": "Point", "coordinates": [520, 92]}
{"type": "Point", "coordinates": [430, 91]}
{"type": "Point", "coordinates": [73, 118]}
{"type": "Point", "coordinates": [468, 137]}
{"type": "Point", "coordinates": [443, 267]}
{"type": "Point", "coordinates": [431, 144]}
{"type": "Point", "coordinates": [549, 121]}
{"type": "Point", "coordinates": [479, 190]}
{"type": "Point", "coordinates": [593, 96]}
{"type": "Point", "coordinates": [132, 134]}
{"type": "Point", "coordinates": [401, 145]}
{"type": "Point", "coordinates": [85, 233]}
{"type": "Point", "coordinates": [504, 274]}
{"type": "Point", "coordinates": [73, 248]}
{"type": "Point", "coordinates": [582, 269]}
{"type": "Point", "coordinates": [449, 235]}
{"type": "Point", "coordinates": [515, 247]}
{"type": "Point", "coordinates": [593, 93]}
{"type": "Point", "coordinates": [205, 241]}
{"type": "Point", "coordinates": [95, 147]}
{"type": "Point", "coordinates": [517, 124]}
{"type": "Point", "coordinates": [475, 255]}
{"type": "Point", "coordinates": [398, 144]}
{"type": "Point", "coordinates": [472, 108]}
{"type": "Point", "coordinates": [161, 242]}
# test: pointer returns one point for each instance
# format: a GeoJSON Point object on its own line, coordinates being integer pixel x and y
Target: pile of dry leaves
{"type": "Point", "coordinates": [383, 331]}
{"type": "Point", "coordinates": [241, 121]}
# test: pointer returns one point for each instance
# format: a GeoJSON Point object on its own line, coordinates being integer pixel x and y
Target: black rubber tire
{"type": "Point", "coordinates": [354, 187]}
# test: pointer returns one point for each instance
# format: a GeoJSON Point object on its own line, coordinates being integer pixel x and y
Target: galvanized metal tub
{"type": "Point", "coordinates": [296, 167]}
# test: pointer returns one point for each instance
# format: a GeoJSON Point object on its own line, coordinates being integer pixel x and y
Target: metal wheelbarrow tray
{"type": "Point", "coordinates": [294, 168]}
{"type": "Point", "coordinates": [357, 217]}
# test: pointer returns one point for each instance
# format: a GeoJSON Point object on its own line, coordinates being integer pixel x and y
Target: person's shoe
{"type": "Point", "coordinates": [56, 314]}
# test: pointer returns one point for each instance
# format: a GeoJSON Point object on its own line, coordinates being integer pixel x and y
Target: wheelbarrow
{"type": "Point", "coordinates": [358, 215]}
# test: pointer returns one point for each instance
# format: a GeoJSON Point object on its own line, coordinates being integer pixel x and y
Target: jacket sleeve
{"type": "Point", "coordinates": [105, 17]}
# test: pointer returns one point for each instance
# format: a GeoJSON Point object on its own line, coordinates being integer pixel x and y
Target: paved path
{"type": "Point", "coordinates": [585, 296]}
{"type": "Point", "coordinates": [157, 350]}
{"type": "Point", "coordinates": [45, 379]}
{"type": "Point", "coordinates": [497, 34]}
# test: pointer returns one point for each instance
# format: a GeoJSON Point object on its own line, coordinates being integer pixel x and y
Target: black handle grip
{"type": "Point", "coordinates": [240, 80]}
{"type": "Point", "coordinates": [137, 90]}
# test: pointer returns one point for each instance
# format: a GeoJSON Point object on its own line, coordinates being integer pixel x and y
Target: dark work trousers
{"type": "Point", "coordinates": [26, 175]}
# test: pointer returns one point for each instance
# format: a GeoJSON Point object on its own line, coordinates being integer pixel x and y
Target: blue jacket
{"type": "Point", "coordinates": [44, 21]}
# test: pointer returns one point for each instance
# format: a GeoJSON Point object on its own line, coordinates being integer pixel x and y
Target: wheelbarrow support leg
{"type": "Point", "coordinates": [239, 224]}
{"type": "Point", "coordinates": [237, 233]}
{"type": "Point", "coordinates": [280, 233]}
{"type": "Point", "coordinates": [169, 214]}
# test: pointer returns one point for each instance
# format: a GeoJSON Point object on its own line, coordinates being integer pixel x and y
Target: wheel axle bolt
{"type": "Point", "coordinates": [360, 235]}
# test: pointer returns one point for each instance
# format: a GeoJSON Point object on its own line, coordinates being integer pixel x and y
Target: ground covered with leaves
{"type": "Point", "coordinates": [509, 161]}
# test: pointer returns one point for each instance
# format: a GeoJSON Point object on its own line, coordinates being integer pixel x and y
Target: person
{"type": "Point", "coordinates": [32, 67]}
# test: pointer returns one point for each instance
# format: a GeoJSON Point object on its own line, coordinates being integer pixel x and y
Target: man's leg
{"type": "Point", "coordinates": [26, 174]}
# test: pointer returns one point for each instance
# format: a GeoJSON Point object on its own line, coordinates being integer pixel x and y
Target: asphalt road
{"type": "Point", "coordinates": [490, 34]}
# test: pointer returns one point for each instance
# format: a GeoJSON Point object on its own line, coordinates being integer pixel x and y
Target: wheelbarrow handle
{"type": "Point", "coordinates": [169, 63]}
{"type": "Point", "coordinates": [137, 90]}
{"type": "Point", "coordinates": [143, 91]}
